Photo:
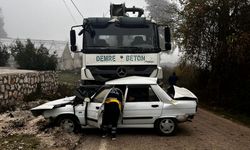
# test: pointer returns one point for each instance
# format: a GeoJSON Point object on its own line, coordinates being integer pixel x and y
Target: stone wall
{"type": "Point", "coordinates": [14, 86]}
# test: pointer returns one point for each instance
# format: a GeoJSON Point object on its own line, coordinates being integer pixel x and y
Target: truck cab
{"type": "Point", "coordinates": [119, 46]}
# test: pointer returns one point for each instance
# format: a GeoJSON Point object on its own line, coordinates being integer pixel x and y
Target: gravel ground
{"type": "Point", "coordinates": [5, 70]}
{"type": "Point", "coordinates": [207, 131]}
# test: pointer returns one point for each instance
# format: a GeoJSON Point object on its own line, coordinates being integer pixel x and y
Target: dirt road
{"type": "Point", "coordinates": [207, 131]}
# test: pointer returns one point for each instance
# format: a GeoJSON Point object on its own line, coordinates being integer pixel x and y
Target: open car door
{"type": "Point", "coordinates": [96, 106]}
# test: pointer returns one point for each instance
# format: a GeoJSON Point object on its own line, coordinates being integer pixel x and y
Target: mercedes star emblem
{"type": "Point", "coordinates": [121, 72]}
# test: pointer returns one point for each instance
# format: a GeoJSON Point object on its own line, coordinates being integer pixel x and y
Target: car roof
{"type": "Point", "coordinates": [133, 80]}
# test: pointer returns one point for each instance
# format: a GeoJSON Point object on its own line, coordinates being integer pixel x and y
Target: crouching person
{"type": "Point", "coordinates": [112, 111]}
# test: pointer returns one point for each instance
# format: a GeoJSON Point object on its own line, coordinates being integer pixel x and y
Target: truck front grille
{"type": "Point", "coordinates": [104, 73]}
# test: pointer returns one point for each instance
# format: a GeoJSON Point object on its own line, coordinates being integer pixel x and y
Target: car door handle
{"type": "Point", "coordinates": [154, 106]}
{"type": "Point", "coordinates": [97, 107]}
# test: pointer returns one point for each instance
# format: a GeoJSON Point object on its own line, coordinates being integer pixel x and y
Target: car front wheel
{"type": "Point", "coordinates": [68, 124]}
{"type": "Point", "coordinates": [166, 126]}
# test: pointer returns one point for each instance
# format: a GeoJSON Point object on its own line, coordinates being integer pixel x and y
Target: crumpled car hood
{"type": "Point", "coordinates": [52, 104]}
{"type": "Point", "coordinates": [183, 93]}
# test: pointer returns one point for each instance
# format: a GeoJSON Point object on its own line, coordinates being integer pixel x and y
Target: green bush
{"type": "Point", "coordinates": [4, 55]}
{"type": "Point", "coordinates": [63, 90]}
{"type": "Point", "coordinates": [29, 57]}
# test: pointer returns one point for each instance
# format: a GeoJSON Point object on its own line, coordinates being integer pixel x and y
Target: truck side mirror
{"type": "Point", "coordinates": [167, 35]}
{"type": "Point", "coordinates": [73, 46]}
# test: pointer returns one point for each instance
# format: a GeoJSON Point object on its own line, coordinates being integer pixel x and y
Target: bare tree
{"type": "Point", "coordinates": [3, 34]}
{"type": "Point", "coordinates": [163, 12]}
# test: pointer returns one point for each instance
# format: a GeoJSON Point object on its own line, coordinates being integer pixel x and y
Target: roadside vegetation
{"type": "Point", "coordinates": [19, 129]}
{"type": "Point", "coordinates": [214, 37]}
{"type": "Point", "coordinates": [28, 56]}
{"type": "Point", "coordinates": [25, 141]}
{"type": "Point", "coordinates": [191, 77]}
{"type": "Point", "coordinates": [4, 55]}
{"type": "Point", "coordinates": [68, 81]}
{"type": "Point", "coordinates": [71, 77]}
{"type": "Point", "coordinates": [3, 33]}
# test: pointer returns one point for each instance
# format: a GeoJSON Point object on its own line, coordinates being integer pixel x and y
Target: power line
{"type": "Point", "coordinates": [77, 8]}
{"type": "Point", "coordinates": [69, 11]}
{"type": "Point", "coordinates": [105, 14]}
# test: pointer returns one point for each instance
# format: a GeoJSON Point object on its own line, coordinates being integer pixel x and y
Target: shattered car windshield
{"type": "Point", "coordinates": [113, 36]}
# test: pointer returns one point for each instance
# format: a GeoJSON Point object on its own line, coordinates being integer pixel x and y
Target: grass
{"type": "Point", "coordinates": [69, 77]}
{"type": "Point", "coordinates": [24, 141]}
{"type": "Point", "coordinates": [228, 113]}
{"type": "Point", "coordinates": [234, 116]}
{"type": "Point", "coordinates": [68, 82]}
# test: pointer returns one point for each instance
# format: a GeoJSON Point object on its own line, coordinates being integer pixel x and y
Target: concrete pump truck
{"type": "Point", "coordinates": [119, 46]}
{"type": "Point", "coordinates": [113, 48]}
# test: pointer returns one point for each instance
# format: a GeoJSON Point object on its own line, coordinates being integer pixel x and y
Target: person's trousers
{"type": "Point", "coordinates": [110, 117]}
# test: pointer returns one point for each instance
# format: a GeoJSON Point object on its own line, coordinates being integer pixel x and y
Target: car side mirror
{"type": "Point", "coordinates": [87, 99]}
{"type": "Point", "coordinates": [73, 46]}
{"type": "Point", "coordinates": [167, 35]}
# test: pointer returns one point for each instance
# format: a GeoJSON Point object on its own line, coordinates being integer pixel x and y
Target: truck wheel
{"type": "Point", "coordinates": [166, 126]}
{"type": "Point", "coordinates": [68, 124]}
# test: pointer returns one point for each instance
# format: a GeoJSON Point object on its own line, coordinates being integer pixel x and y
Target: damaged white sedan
{"type": "Point", "coordinates": [145, 105]}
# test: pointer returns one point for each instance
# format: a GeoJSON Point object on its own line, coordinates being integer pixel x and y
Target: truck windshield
{"type": "Point", "coordinates": [121, 39]}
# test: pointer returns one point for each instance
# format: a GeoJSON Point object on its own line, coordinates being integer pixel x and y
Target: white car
{"type": "Point", "coordinates": [145, 105]}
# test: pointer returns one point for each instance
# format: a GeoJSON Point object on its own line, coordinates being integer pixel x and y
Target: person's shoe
{"type": "Point", "coordinates": [104, 135]}
{"type": "Point", "coordinates": [113, 133]}
{"type": "Point", "coordinates": [113, 137]}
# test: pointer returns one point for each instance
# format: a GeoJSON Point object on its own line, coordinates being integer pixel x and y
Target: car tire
{"type": "Point", "coordinates": [166, 126]}
{"type": "Point", "coordinates": [68, 124]}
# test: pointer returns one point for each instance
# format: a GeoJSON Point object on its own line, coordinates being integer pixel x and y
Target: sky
{"type": "Point", "coordinates": [50, 19]}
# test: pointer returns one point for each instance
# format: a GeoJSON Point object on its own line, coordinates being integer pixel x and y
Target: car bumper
{"type": "Point", "coordinates": [184, 118]}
